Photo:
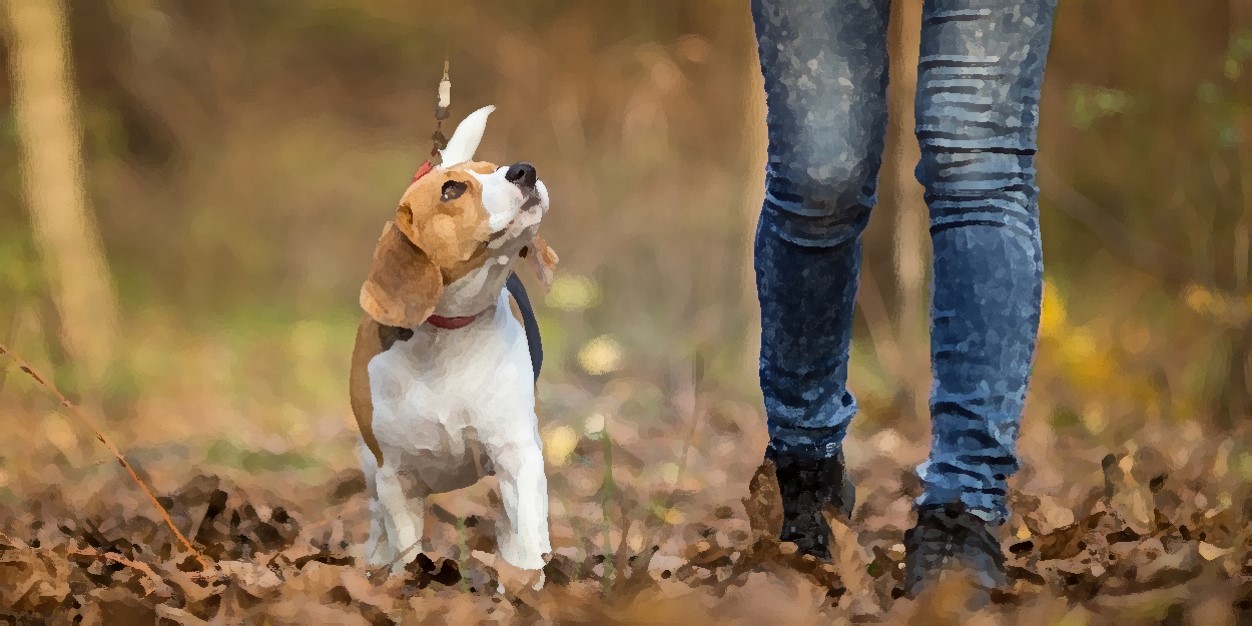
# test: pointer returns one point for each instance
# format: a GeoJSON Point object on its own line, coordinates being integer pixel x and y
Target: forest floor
{"type": "Point", "coordinates": [1157, 532]}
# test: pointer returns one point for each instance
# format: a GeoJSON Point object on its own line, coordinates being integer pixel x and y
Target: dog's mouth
{"type": "Point", "coordinates": [498, 235]}
{"type": "Point", "coordinates": [532, 201]}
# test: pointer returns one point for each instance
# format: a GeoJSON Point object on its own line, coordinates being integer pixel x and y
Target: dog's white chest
{"type": "Point", "coordinates": [443, 399]}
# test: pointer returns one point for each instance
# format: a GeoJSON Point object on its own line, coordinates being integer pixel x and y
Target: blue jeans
{"type": "Point", "coordinates": [979, 77]}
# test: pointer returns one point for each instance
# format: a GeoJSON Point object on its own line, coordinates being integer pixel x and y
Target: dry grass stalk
{"type": "Point", "coordinates": [82, 417]}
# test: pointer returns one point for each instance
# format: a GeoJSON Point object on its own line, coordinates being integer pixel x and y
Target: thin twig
{"type": "Point", "coordinates": [73, 410]}
{"type": "Point", "coordinates": [402, 554]}
{"type": "Point", "coordinates": [180, 616]}
{"type": "Point", "coordinates": [668, 501]}
{"type": "Point", "coordinates": [158, 583]}
{"type": "Point", "coordinates": [697, 376]}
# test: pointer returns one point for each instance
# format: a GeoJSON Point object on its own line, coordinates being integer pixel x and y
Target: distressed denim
{"type": "Point", "coordinates": [979, 78]}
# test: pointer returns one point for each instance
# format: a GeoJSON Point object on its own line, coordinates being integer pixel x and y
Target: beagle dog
{"type": "Point", "coordinates": [447, 354]}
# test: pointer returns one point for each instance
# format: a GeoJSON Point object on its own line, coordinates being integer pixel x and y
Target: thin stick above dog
{"type": "Point", "coordinates": [82, 417]}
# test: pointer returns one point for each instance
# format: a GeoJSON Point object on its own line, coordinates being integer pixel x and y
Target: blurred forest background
{"type": "Point", "coordinates": [239, 158]}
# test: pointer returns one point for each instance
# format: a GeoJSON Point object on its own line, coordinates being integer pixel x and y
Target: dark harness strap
{"type": "Point", "coordinates": [529, 323]}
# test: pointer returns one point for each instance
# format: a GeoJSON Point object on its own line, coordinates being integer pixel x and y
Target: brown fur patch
{"type": "Point", "coordinates": [453, 232]}
{"type": "Point", "coordinates": [403, 285]}
{"type": "Point", "coordinates": [372, 339]}
{"type": "Point", "coordinates": [436, 238]}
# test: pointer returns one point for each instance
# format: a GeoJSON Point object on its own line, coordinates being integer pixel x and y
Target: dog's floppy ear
{"type": "Point", "coordinates": [543, 260]}
{"type": "Point", "coordinates": [403, 285]}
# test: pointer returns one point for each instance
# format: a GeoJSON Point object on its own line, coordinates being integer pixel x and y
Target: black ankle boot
{"type": "Point", "coordinates": [807, 486]}
{"type": "Point", "coordinates": [948, 536]}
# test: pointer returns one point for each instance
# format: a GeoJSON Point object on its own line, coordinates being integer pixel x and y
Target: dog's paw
{"type": "Point", "coordinates": [384, 558]}
{"type": "Point", "coordinates": [401, 562]}
{"type": "Point", "coordinates": [537, 580]}
{"type": "Point", "coordinates": [511, 579]}
{"type": "Point", "coordinates": [379, 556]}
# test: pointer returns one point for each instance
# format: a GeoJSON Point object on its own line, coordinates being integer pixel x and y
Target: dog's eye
{"type": "Point", "coordinates": [452, 190]}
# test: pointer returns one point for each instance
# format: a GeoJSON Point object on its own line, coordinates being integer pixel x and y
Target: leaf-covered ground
{"type": "Point", "coordinates": [1158, 530]}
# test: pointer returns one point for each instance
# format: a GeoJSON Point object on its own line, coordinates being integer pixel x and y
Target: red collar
{"type": "Point", "coordinates": [452, 323]}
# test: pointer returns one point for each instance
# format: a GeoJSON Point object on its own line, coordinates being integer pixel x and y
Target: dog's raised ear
{"type": "Point", "coordinates": [403, 285]}
{"type": "Point", "coordinates": [543, 260]}
{"type": "Point", "coordinates": [466, 137]}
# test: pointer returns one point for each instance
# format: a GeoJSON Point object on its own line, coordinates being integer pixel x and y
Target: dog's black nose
{"type": "Point", "coordinates": [522, 174]}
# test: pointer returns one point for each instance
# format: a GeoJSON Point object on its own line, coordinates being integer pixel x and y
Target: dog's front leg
{"type": "Point", "coordinates": [378, 548]}
{"type": "Point", "coordinates": [523, 535]}
{"type": "Point", "coordinates": [404, 530]}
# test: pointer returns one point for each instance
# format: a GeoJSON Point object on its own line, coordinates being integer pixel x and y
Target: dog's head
{"type": "Point", "coordinates": [452, 220]}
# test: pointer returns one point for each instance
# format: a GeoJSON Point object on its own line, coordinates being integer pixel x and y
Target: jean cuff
{"type": "Point", "coordinates": [989, 508]}
{"type": "Point", "coordinates": [810, 443]}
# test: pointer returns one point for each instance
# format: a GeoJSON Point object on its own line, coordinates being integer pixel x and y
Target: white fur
{"type": "Point", "coordinates": [504, 202]}
{"type": "Point", "coordinates": [465, 139]}
{"type": "Point", "coordinates": [451, 406]}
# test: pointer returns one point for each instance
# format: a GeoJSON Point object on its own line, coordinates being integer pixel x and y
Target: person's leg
{"type": "Point", "coordinates": [979, 78]}
{"type": "Point", "coordinates": [825, 69]}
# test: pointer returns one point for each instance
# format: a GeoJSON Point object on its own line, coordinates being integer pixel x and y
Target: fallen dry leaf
{"type": "Point", "coordinates": [719, 566]}
{"type": "Point", "coordinates": [764, 502]}
{"type": "Point", "coordinates": [1211, 552]}
{"type": "Point", "coordinates": [851, 563]}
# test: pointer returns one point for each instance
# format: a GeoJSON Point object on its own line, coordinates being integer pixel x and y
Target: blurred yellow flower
{"type": "Point", "coordinates": [1052, 319]}
{"type": "Point", "coordinates": [559, 444]}
{"type": "Point", "coordinates": [1094, 418]}
{"type": "Point", "coordinates": [1078, 345]}
{"type": "Point", "coordinates": [594, 424]}
{"type": "Point", "coordinates": [1086, 362]}
{"type": "Point", "coordinates": [673, 517]}
{"type": "Point", "coordinates": [670, 472]}
{"type": "Point", "coordinates": [635, 541]}
{"type": "Point", "coordinates": [572, 292]}
{"type": "Point", "coordinates": [1198, 298]}
{"type": "Point", "coordinates": [1097, 370]}
{"type": "Point", "coordinates": [602, 355]}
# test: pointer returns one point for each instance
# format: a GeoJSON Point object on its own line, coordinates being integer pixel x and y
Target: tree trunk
{"type": "Point", "coordinates": [64, 229]}
{"type": "Point", "coordinates": [904, 194]}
